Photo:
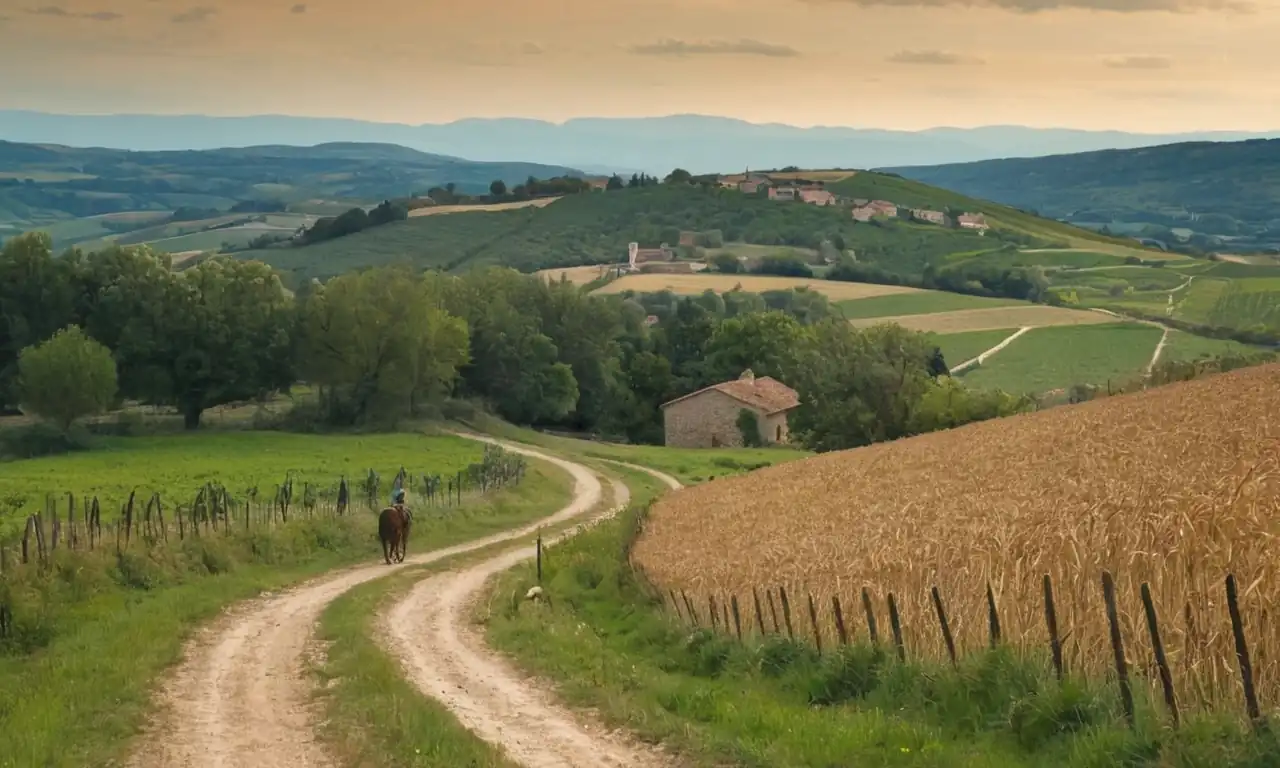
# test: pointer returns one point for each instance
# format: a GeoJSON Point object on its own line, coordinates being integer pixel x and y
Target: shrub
{"type": "Point", "coordinates": [67, 377]}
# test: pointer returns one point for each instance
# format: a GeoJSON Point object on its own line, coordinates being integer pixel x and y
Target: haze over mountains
{"type": "Point", "coordinates": [698, 143]}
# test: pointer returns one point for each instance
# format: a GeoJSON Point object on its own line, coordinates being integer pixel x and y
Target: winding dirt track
{"type": "Point", "coordinates": [447, 660]}
{"type": "Point", "coordinates": [241, 696]}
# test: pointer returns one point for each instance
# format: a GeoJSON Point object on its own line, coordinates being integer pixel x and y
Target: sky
{"type": "Point", "coordinates": [1137, 65]}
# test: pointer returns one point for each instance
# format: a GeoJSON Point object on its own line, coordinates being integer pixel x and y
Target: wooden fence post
{"type": "Point", "coordinates": [711, 609]}
{"type": "Point", "coordinates": [1117, 645]}
{"type": "Point", "coordinates": [1157, 647]}
{"type": "Point", "coordinates": [946, 628]}
{"type": "Point", "coordinates": [895, 623]}
{"type": "Point", "coordinates": [688, 604]}
{"type": "Point", "coordinates": [773, 612]}
{"type": "Point", "coordinates": [539, 545]}
{"type": "Point", "coordinates": [871, 616]}
{"type": "Point", "coordinates": [1242, 653]}
{"type": "Point", "coordinates": [786, 611]}
{"type": "Point", "coordinates": [993, 617]}
{"type": "Point", "coordinates": [737, 620]}
{"type": "Point", "coordinates": [841, 634]}
{"type": "Point", "coordinates": [813, 620]}
{"type": "Point", "coordinates": [675, 604]}
{"type": "Point", "coordinates": [1051, 621]}
{"type": "Point", "coordinates": [755, 595]}
{"type": "Point", "coordinates": [724, 607]}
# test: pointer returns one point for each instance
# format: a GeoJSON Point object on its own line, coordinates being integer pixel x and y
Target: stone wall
{"type": "Point", "coordinates": [710, 419]}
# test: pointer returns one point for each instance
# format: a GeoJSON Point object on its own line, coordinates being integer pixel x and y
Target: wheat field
{"type": "Point", "coordinates": [437, 210]}
{"type": "Point", "coordinates": [692, 285]}
{"type": "Point", "coordinates": [1176, 486]}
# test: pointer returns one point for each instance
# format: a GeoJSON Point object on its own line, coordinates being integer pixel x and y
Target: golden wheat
{"type": "Point", "coordinates": [1176, 486]}
{"type": "Point", "coordinates": [692, 285]}
{"type": "Point", "coordinates": [993, 319]}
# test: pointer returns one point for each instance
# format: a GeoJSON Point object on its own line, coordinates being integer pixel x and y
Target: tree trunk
{"type": "Point", "coordinates": [191, 416]}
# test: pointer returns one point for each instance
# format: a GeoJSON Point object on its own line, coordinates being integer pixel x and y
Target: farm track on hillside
{"type": "Point", "coordinates": [428, 631]}
{"type": "Point", "coordinates": [241, 696]}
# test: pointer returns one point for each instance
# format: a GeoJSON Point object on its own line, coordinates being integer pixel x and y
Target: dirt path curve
{"type": "Point", "coordinates": [1155, 356]}
{"type": "Point", "coordinates": [982, 358]}
{"type": "Point", "coordinates": [447, 660]}
{"type": "Point", "coordinates": [241, 698]}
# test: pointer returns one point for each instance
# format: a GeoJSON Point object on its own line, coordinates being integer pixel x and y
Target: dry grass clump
{"type": "Point", "coordinates": [437, 210]}
{"type": "Point", "coordinates": [1177, 486]}
{"type": "Point", "coordinates": [692, 285]}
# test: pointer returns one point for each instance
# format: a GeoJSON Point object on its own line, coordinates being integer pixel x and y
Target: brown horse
{"type": "Point", "coordinates": [393, 532]}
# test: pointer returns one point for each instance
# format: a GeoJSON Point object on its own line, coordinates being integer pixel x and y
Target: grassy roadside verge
{"type": "Point", "coordinates": [606, 645]}
{"type": "Point", "coordinates": [374, 716]}
{"type": "Point", "coordinates": [99, 631]}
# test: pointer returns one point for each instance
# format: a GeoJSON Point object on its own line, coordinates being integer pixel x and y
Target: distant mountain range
{"type": "Point", "coordinates": [1226, 193]}
{"type": "Point", "coordinates": [697, 143]}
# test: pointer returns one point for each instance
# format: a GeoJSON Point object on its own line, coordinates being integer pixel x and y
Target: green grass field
{"type": "Point", "coordinates": [177, 466]}
{"type": "Point", "coordinates": [92, 636]}
{"type": "Point", "coordinates": [1046, 359]}
{"type": "Point", "coordinates": [1068, 258]}
{"type": "Point", "coordinates": [959, 347]}
{"type": "Point", "coordinates": [1186, 346]}
{"type": "Point", "coordinates": [922, 303]}
{"type": "Point", "coordinates": [1247, 303]}
{"type": "Point", "coordinates": [1198, 302]}
{"type": "Point", "coordinates": [1139, 278]}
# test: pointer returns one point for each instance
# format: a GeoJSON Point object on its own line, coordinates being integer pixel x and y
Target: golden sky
{"type": "Point", "coordinates": [1139, 65]}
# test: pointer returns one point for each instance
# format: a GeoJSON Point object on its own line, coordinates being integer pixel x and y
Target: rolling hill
{"type": "Point", "coordinates": [594, 228]}
{"type": "Point", "coordinates": [43, 185]}
{"type": "Point", "coordinates": [1211, 196]}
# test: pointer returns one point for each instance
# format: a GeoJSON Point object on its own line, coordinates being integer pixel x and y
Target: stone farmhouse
{"type": "Point", "coordinates": [817, 197]}
{"type": "Point", "coordinates": [637, 255]}
{"type": "Point", "coordinates": [972, 221]}
{"type": "Point", "coordinates": [866, 210]}
{"type": "Point", "coordinates": [783, 194]}
{"type": "Point", "coordinates": [928, 216]}
{"type": "Point", "coordinates": [708, 418]}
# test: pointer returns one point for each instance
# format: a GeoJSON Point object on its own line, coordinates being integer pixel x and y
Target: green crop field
{"type": "Point", "coordinates": [1068, 258]}
{"type": "Point", "coordinates": [919, 303]}
{"type": "Point", "coordinates": [1248, 302]}
{"type": "Point", "coordinates": [959, 347]}
{"type": "Point", "coordinates": [1139, 278]}
{"type": "Point", "coordinates": [1180, 346]}
{"type": "Point", "coordinates": [177, 466]}
{"type": "Point", "coordinates": [1046, 359]}
{"type": "Point", "coordinates": [1197, 303]}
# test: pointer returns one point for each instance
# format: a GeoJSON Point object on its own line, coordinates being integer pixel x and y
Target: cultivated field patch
{"type": "Point", "coordinates": [177, 467]}
{"type": "Point", "coordinates": [691, 285]}
{"type": "Point", "coordinates": [919, 303]}
{"type": "Point", "coordinates": [433, 210]}
{"type": "Point", "coordinates": [959, 347]}
{"type": "Point", "coordinates": [965, 320]}
{"type": "Point", "coordinates": [1177, 487]}
{"type": "Point", "coordinates": [1046, 359]}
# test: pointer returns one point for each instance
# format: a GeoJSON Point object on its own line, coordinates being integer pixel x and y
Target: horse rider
{"type": "Point", "coordinates": [397, 499]}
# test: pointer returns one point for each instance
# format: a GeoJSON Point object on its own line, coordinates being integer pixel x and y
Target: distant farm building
{"type": "Point", "coordinates": [972, 221]}
{"type": "Point", "coordinates": [784, 194]}
{"type": "Point", "coordinates": [709, 417]}
{"type": "Point", "coordinates": [928, 216]}
{"type": "Point", "coordinates": [819, 197]}
{"type": "Point", "coordinates": [869, 209]}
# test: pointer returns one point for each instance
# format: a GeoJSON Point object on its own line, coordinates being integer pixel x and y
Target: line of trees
{"type": "Point", "coordinates": [390, 342]}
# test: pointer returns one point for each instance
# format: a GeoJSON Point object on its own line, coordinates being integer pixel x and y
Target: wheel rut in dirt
{"type": "Point", "coordinates": [446, 658]}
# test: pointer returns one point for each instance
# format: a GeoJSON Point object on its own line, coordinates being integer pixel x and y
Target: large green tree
{"type": "Point", "coordinates": [67, 377]}
{"type": "Point", "coordinates": [36, 299]}
{"type": "Point", "coordinates": [379, 345]}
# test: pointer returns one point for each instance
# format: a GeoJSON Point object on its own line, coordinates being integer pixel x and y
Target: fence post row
{"type": "Point", "coordinates": [213, 506]}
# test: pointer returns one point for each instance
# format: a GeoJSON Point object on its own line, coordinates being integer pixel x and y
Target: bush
{"type": "Point", "coordinates": [67, 377]}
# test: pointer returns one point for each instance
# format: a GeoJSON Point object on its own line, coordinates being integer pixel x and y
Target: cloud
{"type": "Point", "coordinates": [59, 12]}
{"type": "Point", "coordinates": [299, 8]}
{"type": "Point", "coordinates": [680, 48]}
{"type": "Point", "coordinates": [1037, 6]}
{"type": "Point", "coordinates": [1138, 62]}
{"type": "Point", "coordinates": [932, 58]}
{"type": "Point", "coordinates": [194, 15]}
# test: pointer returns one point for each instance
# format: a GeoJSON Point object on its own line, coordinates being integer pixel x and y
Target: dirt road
{"type": "Point", "coordinates": [447, 660]}
{"type": "Point", "coordinates": [240, 697]}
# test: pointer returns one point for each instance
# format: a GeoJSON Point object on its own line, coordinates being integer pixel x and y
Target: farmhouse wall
{"type": "Point", "coordinates": [710, 419]}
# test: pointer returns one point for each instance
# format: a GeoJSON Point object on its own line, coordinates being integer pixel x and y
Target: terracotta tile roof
{"type": "Point", "coordinates": [765, 393]}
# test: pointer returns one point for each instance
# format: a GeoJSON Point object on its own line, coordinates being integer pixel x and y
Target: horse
{"type": "Point", "coordinates": [393, 532]}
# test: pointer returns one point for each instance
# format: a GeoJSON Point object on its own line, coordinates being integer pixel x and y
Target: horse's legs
{"type": "Point", "coordinates": [386, 551]}
{"type": "Point", "coordinates": [404, 547]}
